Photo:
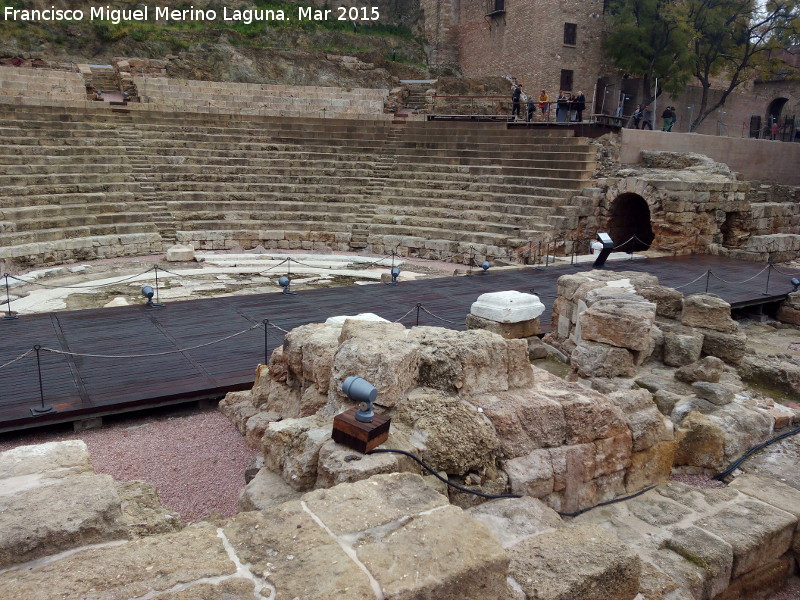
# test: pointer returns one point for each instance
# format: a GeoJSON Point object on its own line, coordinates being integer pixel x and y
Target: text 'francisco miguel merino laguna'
{"type": "Point", "coordinates": [165, 13]}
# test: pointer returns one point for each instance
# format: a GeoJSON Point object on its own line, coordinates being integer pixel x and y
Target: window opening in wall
{"type": "Point", "coordinates": [570, 34]}
{"type": "Point", "coordinates": [566, 80]}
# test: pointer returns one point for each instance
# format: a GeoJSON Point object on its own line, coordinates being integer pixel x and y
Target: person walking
{"type": "Point", "coordinates": [580, 106]}
{"type": "Point", "coordinates": [647, 118]}
{"type": "Point", "coordinates": [666, 119]}
{"type": "Point", "coordinates": [516, 96]}
{"type": "Point", "coordinates": [637, 116]}
{"type": "Point", "coordinates": [673, 116]}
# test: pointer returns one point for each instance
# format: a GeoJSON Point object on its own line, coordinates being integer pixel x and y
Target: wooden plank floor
{"type": "Point", "coordinates": [83, 386]}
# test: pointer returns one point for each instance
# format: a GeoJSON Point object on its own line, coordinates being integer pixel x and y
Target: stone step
{"type": "Point", "coordinates": [457, 234]}
{"type": "Point", "coordinates": [73, 233]}
{"type": "Point", "coordinates": [84, 198]}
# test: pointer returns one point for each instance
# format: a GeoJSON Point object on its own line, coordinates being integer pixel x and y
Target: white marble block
{"type": "Point", "coordinates": [507, 307]}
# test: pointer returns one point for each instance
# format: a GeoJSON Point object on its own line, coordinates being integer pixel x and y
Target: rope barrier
{"type": "Point", "coordinates": [405, 315]}
{"type": "Point", "coordinates": [227, 337]}
{"type": "Point", "coordinates": [273, 267]}
{"type": "Point", "coordinates": [715, 276]}
{"type": "Point", "coordinates": [425, 310]}
{"type": "Point", "coordinates": [698, 278]}
{"type": "Point", "coordinates": [11, 362]}
{"type": "Point", "coordinates": [777, 270]}
{"type": "Point", "coordinates": [281, 329]}
{"type": "Point", "coordinates": [79, 287]}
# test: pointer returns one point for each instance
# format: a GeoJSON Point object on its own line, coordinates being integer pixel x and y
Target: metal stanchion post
{"type": "Point", "coordinates": [8, 315]}
{"type": "Point", "coordinates": [769, 270]}
{"type": "Point", "coordinates": [266, 341]}
{"type": "Point", "coordinates": [419, 305]}
{"type": "Point", "coordinates": [36, 410]}
{"type": "Point", "coordinates": [708, 276]}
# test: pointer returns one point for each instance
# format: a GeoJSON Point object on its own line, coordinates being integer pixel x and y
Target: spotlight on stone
{"type": "Point", "coordinates": [395, 272]}
{"type": "Point", "coordinates": [608, 246]}
{"type": "Point", "coordinates": [285, 282]}
{"type": "Point", "coordinates": [795, 284]}
{"type": "Point", "coordinates": [360, 428]}
{"type": "Point", "coordinates": [485, 266]}
{"type": "Point", "coordinates": [148, 292]}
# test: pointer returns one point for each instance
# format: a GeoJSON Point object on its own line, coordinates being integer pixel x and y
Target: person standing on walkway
{"type": "Point", "coordinates": [666, 119]}
{"type": "Point", "coordinates": [647, 118]}
{"type": "Point", "coordinates": [544, 105]}
{"type": "Point", "coordinates": [637, 116]}
{"type": "Point", "coordinates": [673, 116]}
{"type": "Point", "coordinates": [530, 105]}
{"type": "Point", "coordinates": [561, 108]}
{"type": "Point", "coordinates": [580, 106]}
{"type": "Point", "coordinates": [516, 96]}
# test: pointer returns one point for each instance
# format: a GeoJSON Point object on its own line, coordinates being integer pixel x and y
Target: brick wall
{"type": "Point", "coordinates": [527, 42]}
{"type": "Point", "coordinates": [441, 31]}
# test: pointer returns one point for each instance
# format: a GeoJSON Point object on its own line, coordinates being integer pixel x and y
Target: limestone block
{"type": "Point", "coordinates": [707, 551]}
{"type": "Point", "coordinates": [143, 512]}
{"type": "Point", "coordinates": [150, 565]}
{"type": "Point", "coordinates": [238, 407]}
{"type": "Point", "coordinates": [650, 466]}
{"type": "Point", "coordinates": [510, 331]}
{"type": "Point", "coordinates": [457, 438]}
{"type": "Point", "coordinates": [536, 348]}
{"type": "Point", "coordinates": [687, 405]}
{"type": "Point", "coordinates": [788, 314]}
{"type": "Point", "coordinates": [701, 442]}
{"type": "Point", "coordinates": [524, 420]}
{"type": "Point", "coordinates": [291, 447]}
{"type": "Point", "coordinates": [757, 532]}
{"type": "Point", "coordinates": [762, 582]}
{"type": "Point", "coordinates": [531, 475]}
{"type": "Point", "coordinates": [592, 359]}
{"type": "Point", "coordinates": [265, 490]}
{"type": "Point", "coordinates": [682, 349]}
{"type": "Point", "coordinates": [339, 464]}
{"type": "Point", "coordinates": [622, 325]}
{"type": "Point", "coordinates": [669, 302]}
{"type": "Point", "coordinates": [666, 401]}
{"type": "Point", "coordinates": [41, 516]}
{"type": "Point", "coordinates": [709, 312]}
{"type": "Point", "coordinates": [715, 393]}
{"type": "Point", "coordinates": [470, 362]}
{"type": "Point", "coordinates": [730, 347]}
{"type": "Point", "coordinates": [743, 427]}
{"type": "Point", "coordinates": [577, 561]}
{"type": "Point", "coordinates": [339, 320]}
{"type": "Point", "coordinates": [70, 457]}
{"type": "Point", "coordinates": [507, 307]}
{"type": "Point", "coordinates": [708, 369]}
{"type": "Point", "coordinates": [180, 253]}
{"type": "Point", "coordinates": [256, 425]}
{"type": "Point", "coordinates": [511, 520]}
{"type": "Point", "coordinates": [475, 570]}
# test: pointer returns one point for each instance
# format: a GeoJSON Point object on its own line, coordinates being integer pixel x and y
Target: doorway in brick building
{"type": "Point", "coordinates": [629, 223]}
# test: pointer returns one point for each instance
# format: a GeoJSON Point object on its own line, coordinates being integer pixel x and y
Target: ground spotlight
{"type": "Point", "coordinates": [395, 272]}
{"type": "Point", "coordinates": [285, 282]}
{"type": "Point", "coordinates": [359, 427]}
{"type": "Point", "coordinates": [795, 284]}
{"type": "Point", "coordinates": [362, 391]}
{"type": "Point", "coordinates": [148, 292]}
{"type": "Point", "coordinates": [485, 266]}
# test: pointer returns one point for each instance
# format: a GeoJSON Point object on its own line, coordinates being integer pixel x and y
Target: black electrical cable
{"type": "Point", "coordinates": [497, 496]}
{"type": "Point", "coordinates": [735, 464]}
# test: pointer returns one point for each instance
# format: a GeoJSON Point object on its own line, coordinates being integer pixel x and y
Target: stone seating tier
{"type": "Point", "coordinates": [334, 184]}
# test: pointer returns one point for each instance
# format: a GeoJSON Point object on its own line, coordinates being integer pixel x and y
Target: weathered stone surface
{"type": "Point", "coordinates": [775, 493]}
{"type": "Point", "coordinates": [715, 393]}
{"type": "Point", "coordinates": [237, 588]}
{"type": "Point", "coordinates": [646, 423]}
{"type": "Point", "coordinates": [129, 570]}
{"type": "Point", "coordinates": [588, 415]}
{"type": "Point", "coordinates": [510, 331]}
{"type": "Point", "coordinates": [682, 348]}
{"type": "Point", "coordinates": [625, 325]}
{"type": "Point", "coordinates": [668, 301]}
{"type": "Point", "coordinates": [338, 464]}
{"type": "Point", "coordinates": [143, 512]}
{"type": "Point", "coordinates": [707, 551]}
{"type": "Point", "coordinates": [577, 561]}
{"type": "Point", "coordinates": [265, 490]}
{"type": "Point", "coordinates": [743, 427]}
{"type": "Point", "coordinates": [256, 425]}
{"type": "Point", "coordinates": [524, 420]}
{"type": "Point", "coordinates": [45, 514]}
{"type": "Point", "coordinates": [591, 359]}
{"type": "Point", "coordinates": [511, 520]}
{"type": "Point", "coordinates": [531, 475]}
{"type": "Point", "coordinates": [475, 568]}
{"type": "Point", "coordinates": [701, 442]}
{"type": "Point", "coordinates": [612, 454]}
{"type": "Point", "coordinates": [59, 458]}
{"type": "Point", "coordinates": [788, 313]}
{"type": "Point", "coordinates": [457, 437]}
{"type": "Point", "coordinates": [650, 466]}
{"type": "Point", "coordinates": [666, 400]}
{"type": "Point", "coordinates": [507, 307]}
{"type": "Point", "coordinates": [709, 312]}
{"type": "Point", "coordinates": [757, 532]}
{"type": "Point", "coordinates": [291, 447]}
{"type": "Point", "coordinates": [687, 405]}
{"type": "Point", "coordinates": [536, 348]}
{"type": "Point", "coordinates": [180, 253]}
{"type": "Point", "coordinates": [471, 362]}
{"type": "Point", "coordinates": [238, 407]}
{"type": "Point", "coordinates": [730, 347]}
{"type": "Point", "coordinates": [761, 582]}
{"type": "Point", "coordinates": [784, 375]}
{"type": "Point", "coordinates": [708, 369]}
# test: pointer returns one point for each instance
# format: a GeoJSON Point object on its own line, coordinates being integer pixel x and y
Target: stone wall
{"type": "Point", "coordinates": [77, 249]}
{"type": "Point", "coordinates": [527, 42]}
{"type": "Point", "coordinates": [755, 159]}
{"type": "Point", "coordinates": [19, 85]}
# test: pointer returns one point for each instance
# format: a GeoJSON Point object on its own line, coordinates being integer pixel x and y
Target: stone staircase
{"type": "Point", "coordinates": [417, 98]}
{"type": "Point", "coordinates": [102, 77]}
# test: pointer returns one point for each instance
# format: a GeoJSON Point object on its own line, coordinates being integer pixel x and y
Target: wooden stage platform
{"type": "Point", "coordinates": [149, 372]}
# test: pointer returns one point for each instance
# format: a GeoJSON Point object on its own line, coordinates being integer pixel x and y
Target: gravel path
{"type": "Point", "coordinates": [196, 459]}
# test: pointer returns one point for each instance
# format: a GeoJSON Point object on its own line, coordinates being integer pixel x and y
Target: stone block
{"type": "Point", "coordinates": [713, 555]}
{"type": "Point", "coordinates": [291, 447]}
{"type": "Point", "coordinates": [338, 464]}
{"type": "Point", "coordinates": [180, 253]}
{"type": "Point", "coordinates": [709, 312]}
{"type": "Point", "coordinates": [650, 466]}
{"type": "Point", "coordinates": [716, 393]}
{"type": "Point", "coordinates": [507, 307]}
{"type": "Point", "coordinates": [707, 369]}
{"type": "Point", "coordinates": [730, 347]}
{"type": "Point", "coordinates": [682, 349]}
{"type": "Point", "coordinates": [701, 442]}
{"type": "Point", "coordinates": [577, 561]}
{"type": "Point", "coordinates": [511, 520]}
{"type": "Point", "coordinates": [625, 325]}
{"type": "Point", "coordinates": [265, 490]}
{"type": "Point", "coordinates": [593, 359]}
{"type": "Point", "coordinates": [669, 302]}
{"type": "Point", "coordinates": [531, 475]}
{"type": "Point", "coordinates": [510, 331]}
